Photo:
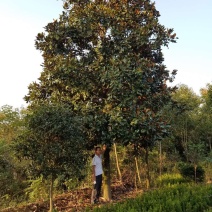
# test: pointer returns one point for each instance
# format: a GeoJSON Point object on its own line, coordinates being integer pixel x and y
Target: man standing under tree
{"type": "Point", "coordinates": [97, 171]}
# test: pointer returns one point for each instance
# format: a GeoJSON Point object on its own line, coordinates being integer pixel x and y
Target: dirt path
{"type": "Point", "coordinates": [77, 201]}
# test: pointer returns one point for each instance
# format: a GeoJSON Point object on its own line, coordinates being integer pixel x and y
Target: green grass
{"type": "Point", "coordinates": [176, 198]}
{"type": "Point", "coordinates": [170, 179]}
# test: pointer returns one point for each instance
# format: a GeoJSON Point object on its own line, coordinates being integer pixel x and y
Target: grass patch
{"type": "Point", "coordinates": [176, 198]}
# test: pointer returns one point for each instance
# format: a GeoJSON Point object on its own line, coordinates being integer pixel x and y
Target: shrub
{"type": "Point", "coordinates": [185, 198]}
{"type": "Point", "coordinates": [169, 179]}
{"type": "Point", "coordinates": [188, 171]}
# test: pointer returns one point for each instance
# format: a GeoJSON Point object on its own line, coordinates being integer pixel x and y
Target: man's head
{"type": "Point", "coordinates": [98, 150]}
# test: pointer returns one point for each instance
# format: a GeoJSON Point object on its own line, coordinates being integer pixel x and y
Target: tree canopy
{"type": "Point", "coordinates": [53, 142]}
{"type": "Point", "coordinates": [104, 58]}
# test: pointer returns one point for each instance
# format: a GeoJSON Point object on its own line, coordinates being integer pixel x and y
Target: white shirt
{"type": "Point", "coordinates": [97, 162]}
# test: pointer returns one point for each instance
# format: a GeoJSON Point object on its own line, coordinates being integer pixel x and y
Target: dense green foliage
{"type": "Point", "coordinates": [188, 172]}
{"type": "Point", "coordinates": [105, 59]}
{"type": "Point", "coordinates": [53, 142]}
{"type": "Point", "coordinates": [180, 198]}
{"type": "Point", "coordinates": [12, 171]}
{"type": "Point", "coordinates": [170, 179]}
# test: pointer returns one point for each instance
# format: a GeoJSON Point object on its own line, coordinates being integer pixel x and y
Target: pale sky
{"type": "Point", "coordinates": [21, 20]}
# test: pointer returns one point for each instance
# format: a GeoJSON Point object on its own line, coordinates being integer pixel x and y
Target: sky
{"type": "Point", "coordinates": [22, 20]}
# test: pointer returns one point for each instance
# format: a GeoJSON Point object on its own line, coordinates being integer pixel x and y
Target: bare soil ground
{"type": "Point", "coordinates": [78, 200]}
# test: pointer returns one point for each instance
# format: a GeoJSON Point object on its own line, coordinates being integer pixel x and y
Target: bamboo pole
{"type": "Point", "coordinates": [117, 164]}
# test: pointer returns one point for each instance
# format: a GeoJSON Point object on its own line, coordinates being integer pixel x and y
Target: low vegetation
{"type": "Point", "coordinates": [175, 198]}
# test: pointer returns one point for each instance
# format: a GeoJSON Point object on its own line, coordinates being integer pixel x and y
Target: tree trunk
{"type": "Point", "coordinates": [136, 187]}
{"type": "Point", "coordinates": [186, 140]}
{"type": "Point", "coordinates": [117, 164]}
{"type": "Point", "coordinates": [147, 168]}
{"type": "Point", "coordinates": [195, 173]}
{"type": "Point", "coordinates": [209, 141]}
{"type": "Point", "coordinates": [106, 180]}
{"type": "Point", "coordinates": [160, 157]}
{"type": "Point", "coordinates": [51, 195]}
{"type": "Point", "coordinates": [137, 170]}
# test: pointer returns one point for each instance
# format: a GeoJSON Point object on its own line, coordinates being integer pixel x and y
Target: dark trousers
{"type": "Point", "coordinates": [98, 186]}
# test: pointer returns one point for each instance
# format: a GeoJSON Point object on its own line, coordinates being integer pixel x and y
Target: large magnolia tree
{"type": "Point", "coordinates": [104, 58]}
